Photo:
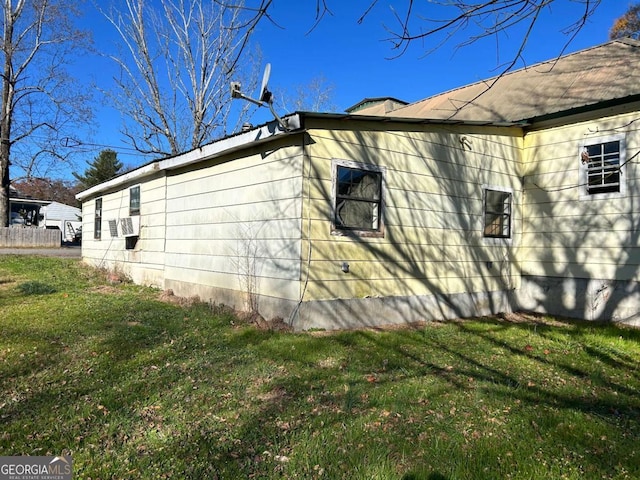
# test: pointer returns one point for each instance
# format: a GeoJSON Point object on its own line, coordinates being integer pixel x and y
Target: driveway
{"type": "Point", "coordinates": [73, 251]}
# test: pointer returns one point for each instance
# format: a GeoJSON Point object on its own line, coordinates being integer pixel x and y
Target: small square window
{"type": "Point", "coordinates": [497, 214]}
{"type": "Point", "coordinates": [97, 224]}
{"type": "Point", "coordinates": [602, 162]}
{"type": "Point", "coordinates": [134, 200]}
{"type": "Point", "coordinates": [358, 198]}
{"type": "Point", "coordinates": [602, 168]}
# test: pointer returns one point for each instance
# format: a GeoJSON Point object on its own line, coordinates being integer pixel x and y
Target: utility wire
{"type": "Point", "coordinates": [559, 189]}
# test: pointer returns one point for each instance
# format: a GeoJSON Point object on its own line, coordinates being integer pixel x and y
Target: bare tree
{"type": "Point", "coordinates": [473, 21]}
{"type": "Point", "coordinates": [175, 72]}
{"type": "Point", "coordinates": [628, 25]}
{"type": "Point", "coordinates": [248, 264]}
{"type": "Point", "coordinates": [444, 21]}
{"type": "Point", "coordinates": [317, 96]}
{"type": "Point", "coordinates": [40, 104]}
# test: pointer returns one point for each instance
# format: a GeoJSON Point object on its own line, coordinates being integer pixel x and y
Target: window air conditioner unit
{"type": "Point", "coordinates": [113, 228]}
{"type": "Point", "coordinates": [130, 226]}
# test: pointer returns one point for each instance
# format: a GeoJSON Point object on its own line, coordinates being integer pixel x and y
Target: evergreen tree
{"type": "Point", "coordinates": [104, 167]}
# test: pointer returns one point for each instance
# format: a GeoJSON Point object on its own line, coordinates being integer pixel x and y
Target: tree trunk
{"type": "Point", "coordinates": [5, 152]}
{"type": "Point", "coordinates": [5, 120]}
{"type": "Point", "coordinates": [4, 192]}
{"type": "Point", "coordinates": [37, 38]}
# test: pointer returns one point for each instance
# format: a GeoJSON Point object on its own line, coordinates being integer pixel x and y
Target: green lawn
{"type": "Point", "coordinates": [133, 387]}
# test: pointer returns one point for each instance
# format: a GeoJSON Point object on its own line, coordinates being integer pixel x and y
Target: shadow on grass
{"type": "Point", "coordinates": [36, 288]}
{"type": "Point", "coordinates": [431, 476]}
{"type": "Point", "coordinates": [374, 360]}
{"type": "Point", "coordinates": [179, 392]}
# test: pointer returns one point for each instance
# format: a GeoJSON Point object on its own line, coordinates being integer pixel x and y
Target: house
{"type": "Point", "coordinates": [519, 192]}
{"type": "Point", "coordinates": [30, 217]}
{"type": "Point", "coordinates": [24, 210]}
{"type": "Point", "coordinates": [66, 218]}
{"type": "Point", "coordinates": [32, 213]}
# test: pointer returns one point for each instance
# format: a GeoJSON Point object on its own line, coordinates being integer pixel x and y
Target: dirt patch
{"type": "Point", "coordinates": [5, 282]}
{"type": "Point", "coordinates": [106, 289]}
{"type": "Point", "coordinates": [380, 328]}
{"type": "Point", "coordinates": [276, 324]}
{"type": "Point", "coordinates": [514, 317]}
{"type": "Point", "coordinates": [169, 297]}
{"type": "Point", "coordinates": [534, 319]}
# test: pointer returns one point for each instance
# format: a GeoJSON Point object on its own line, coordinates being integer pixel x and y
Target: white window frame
{"type": "Point", "coordinates": [97, 218]}
{"type": "Point", "coordinates": [133, 213]}
{"type": "Point", "coordinates": [338, 230]}
{"type": "Point", "coordinates": [498, 240]}
{"type": "Point", "coordinates": [583, 179]}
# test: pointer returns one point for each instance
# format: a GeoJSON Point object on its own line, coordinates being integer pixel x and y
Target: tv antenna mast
{"type": "Point", "coordinates": [265, 97]}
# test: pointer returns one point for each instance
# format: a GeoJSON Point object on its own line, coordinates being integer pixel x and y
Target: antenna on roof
{"type": "Point", "coordinates": [265, 96]}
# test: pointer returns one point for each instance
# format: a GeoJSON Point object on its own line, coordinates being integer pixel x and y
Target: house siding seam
{"type": "Point", "coordinates": [565, 256]}
{"type": "Point", "coordinates": [205, 231]}
{"type": "Point", "coordinates": [433, 213]}
{"type": "Point", "coordinates": [579, 257]}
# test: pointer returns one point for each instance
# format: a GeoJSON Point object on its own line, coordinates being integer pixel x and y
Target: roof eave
{"type": "Point", "coordinates": [261, 134]}
{"type": "Point", "coordinates": [594, 107]}
{"type": "Point", "coordinates": [413, 120]}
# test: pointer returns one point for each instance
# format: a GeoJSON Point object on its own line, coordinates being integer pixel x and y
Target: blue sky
{"type": "Point", "coordinates": [355, 58]}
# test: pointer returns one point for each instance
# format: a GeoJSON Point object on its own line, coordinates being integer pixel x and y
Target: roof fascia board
{"type": "Point", "coordinates": [412, 120]}
{"type": "Point", "coordinates": [625, 105]}
{"type": "Point", "coordinates": [137, 174]}
{"type": "Point", "coordinates": [29, 201]}
{"type": "Point", "coordinates": [261, 134]}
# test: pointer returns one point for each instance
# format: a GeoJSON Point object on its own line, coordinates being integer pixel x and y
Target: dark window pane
{"type": "Point", "coordinates": [611, 147]}
{"type": "Point", "coordinates": [358, 195]}
{"type": "Point", "coordinates": [603, 168]}
{"type": "Point", "coordinates": [497, 216]}
{"type": "Point", "coordinates": [134, 201]}
{"type": "Point", "coordinates": [97, 224]}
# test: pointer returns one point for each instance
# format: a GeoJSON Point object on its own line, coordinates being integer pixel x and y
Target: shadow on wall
{"type": "Point", "coordinates": [432, 261]}
{"type": "Point", "coordinates": [581, 257]}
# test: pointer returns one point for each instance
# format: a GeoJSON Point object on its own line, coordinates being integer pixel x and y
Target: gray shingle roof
{"type": "Point", "coordinates": [604, 74]}
{"type": "Point", "coordinates": [377, 106]}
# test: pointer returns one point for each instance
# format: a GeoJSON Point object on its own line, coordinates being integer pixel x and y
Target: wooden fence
{"type": "Point", "coordinates": [29, 238]}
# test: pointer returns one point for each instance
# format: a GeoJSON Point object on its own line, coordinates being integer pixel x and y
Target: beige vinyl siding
{"type": "Point", "coordinates": [145, 263]}
{"type": "Point", "coordinates": [564, 234]}
{"type": "Point", "coordinates": [214, 212]}
{"type": "Point", "coordinates": [433, 242]}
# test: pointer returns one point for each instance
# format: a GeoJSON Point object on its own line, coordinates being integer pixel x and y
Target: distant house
{"type": "Point", "coordinates": [66, 218]}
{"type": "Point", "coordinates": [24, 211]}
{"type": "Point", "coordinates": [27, 212]}
{"type": "Point", "coordinates": [514, 193]}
